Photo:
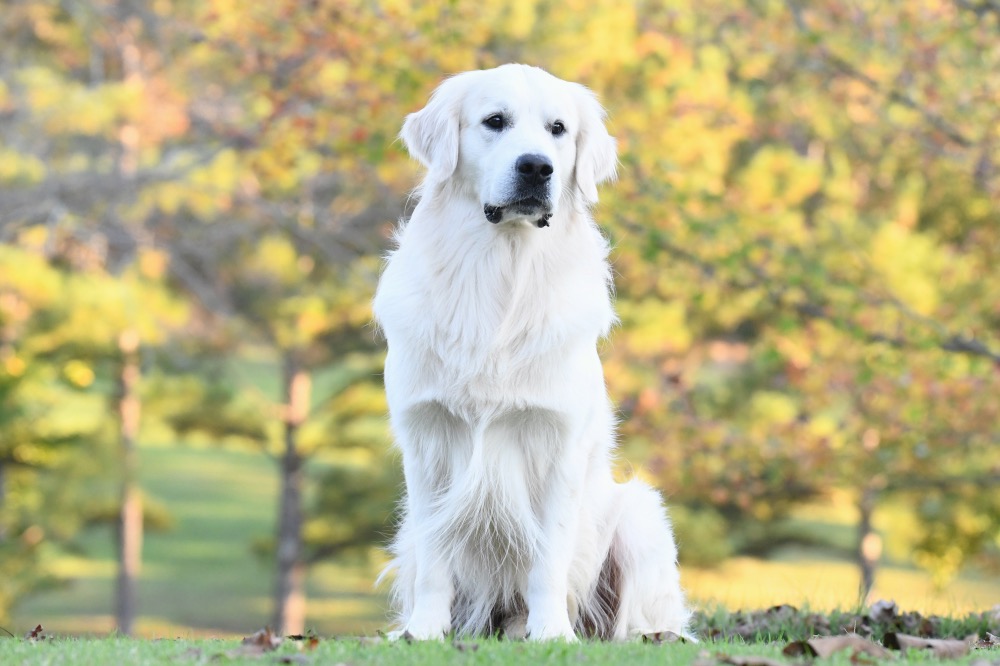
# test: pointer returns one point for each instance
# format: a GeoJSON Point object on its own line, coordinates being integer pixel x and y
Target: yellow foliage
{"type": "Point", "coordinates": [14, 365]}
{"type": "Point", "coordinates": [274, 256]}
{"type": "Point", "coordinates": [79, 373]}
{"type": "Point", "coordinates": [909, 262]}
{"type": "Point", "coordinates": [773, 408]}
{"type": "Point", "coordinates": [19, 168]}
{"type": "Point", "coordinates": [95, 110]}
{"type": "Point", "coordinates": [153, 263]}
{"type": "Point", "coordinates": [779, 177]}
{"type": "Point", "coordinates": [333, 74]}
{"type": "Point", "coordinates": [655, 327]}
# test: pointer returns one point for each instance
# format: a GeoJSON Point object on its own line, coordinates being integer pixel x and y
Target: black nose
{"type": "Point", "coordinates": [534, 169]}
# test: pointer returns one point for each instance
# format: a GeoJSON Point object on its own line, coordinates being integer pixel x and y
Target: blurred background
{"type": "Point", "coordinates": [194, 200]}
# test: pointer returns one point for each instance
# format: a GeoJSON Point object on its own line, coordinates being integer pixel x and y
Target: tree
{"type": "Point", "coordinates": [796, 228]}
{"type": "Point", "coordinates": [805, 239]}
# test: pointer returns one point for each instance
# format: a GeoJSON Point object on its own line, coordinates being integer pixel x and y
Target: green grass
{"type": "Point", "coordinates": [87, 652]}
{"type": "Point", "coordinates": [201, 576]}
{"type": "Point", "coordinates": [826, 585]}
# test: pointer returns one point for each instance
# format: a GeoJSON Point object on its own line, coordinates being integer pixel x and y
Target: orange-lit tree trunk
{"type": "Point", "coordinates": [3, 499]}
{"type": "Point", "coordinates": [130, 511]}
{"type": "Point", "coordinates": [869, 543]}
{"type": "Point", "coordinates": [289, 594]}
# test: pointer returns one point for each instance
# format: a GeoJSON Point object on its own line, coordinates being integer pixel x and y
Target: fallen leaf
{"type": "Point", "coordinates": [36, 634]}
{"type": "Point", "coordinates": [883, 611]}
{"type": "Point", "coordinates": [818, 624]}
{"type": "Point", "coordinates": [309, 641]}
{"type": "Point", "coordinates": [782, 610]}
{"type": "Point", "coordinates": [661, 637]}
{"type": "Point", "coordinates": [465, 647]}
{"type": "Point", "coordinates": [256, 644]}
{"type": "Point", "coordinates": [948, 648]}
{"type": "Point", "coordinates": [824, 646]}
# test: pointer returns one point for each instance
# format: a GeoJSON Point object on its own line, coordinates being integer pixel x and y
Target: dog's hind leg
{"type": "Point", "coordinates": [650, 595]}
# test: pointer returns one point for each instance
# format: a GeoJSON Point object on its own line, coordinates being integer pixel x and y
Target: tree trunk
{"type": "Point", "coordinates": [869, 543]}
{"type": "Point", "coordinates": [289, 594]}
{"type": "Point", "coordinates": [130, 516]}
{"type": "Point", "coordinates": [3, 500]}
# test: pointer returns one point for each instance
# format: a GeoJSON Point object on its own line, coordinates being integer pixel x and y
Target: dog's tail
{"type": "Point", "coordinates": [643, 559]}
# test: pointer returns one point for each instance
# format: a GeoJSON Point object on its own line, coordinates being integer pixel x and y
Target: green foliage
{"type": "Point", "coordinates": [353, 510]}
{"type": "Point", "coordinates": [702, 536]}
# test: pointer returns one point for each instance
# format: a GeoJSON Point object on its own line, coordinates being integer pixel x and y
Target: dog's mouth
{"type": "Point", "coordinates": [527, 207]}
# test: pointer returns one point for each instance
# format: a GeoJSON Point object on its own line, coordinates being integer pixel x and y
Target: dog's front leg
{"type": "Point", "coordinates": [433, 588]}
{"type": "Point", "coordinates": [432, 594]}
{"type": "Point", "coordinates": [548, 578]}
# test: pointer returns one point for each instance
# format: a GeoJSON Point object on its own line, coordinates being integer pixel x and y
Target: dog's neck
{"type": "Point", "coordinates": [509, 275]}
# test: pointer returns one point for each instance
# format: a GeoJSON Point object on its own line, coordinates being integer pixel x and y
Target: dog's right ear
{"type": "Point", "coordinates": [432, 134]}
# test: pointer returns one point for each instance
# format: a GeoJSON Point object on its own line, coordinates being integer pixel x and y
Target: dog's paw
{"type": "Point", "coordinates": [550, 629]}
{"type": "Point", "coordinates": [422, 630]}
{"type": "Point", "coordinates": [515, 627]}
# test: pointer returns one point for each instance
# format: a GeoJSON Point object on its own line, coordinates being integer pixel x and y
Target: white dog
{"type": "Point", "coordinates": [492, 306]}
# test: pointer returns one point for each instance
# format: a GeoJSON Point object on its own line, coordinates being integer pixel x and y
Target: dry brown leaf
{"type": "Point", "coordinates": [883, 610]}
{"type": "Point", "coordinates": [782, 610]}
{"type": "Point", "coordinates": [260, 641]}
{"type": "Point", "coordinates": [307, 642]}
{"type": "Point", "coordinates": [36, 634]}
{"type": "Point", "coordinates": [824, 646]}
{"type": "Point", "coordinates": [946, 648]}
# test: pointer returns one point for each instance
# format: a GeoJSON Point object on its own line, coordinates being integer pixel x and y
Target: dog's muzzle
{"type": "Point", "coordinates": [531, 194]}
{"type": "Point", "coordinates": [495, 213]}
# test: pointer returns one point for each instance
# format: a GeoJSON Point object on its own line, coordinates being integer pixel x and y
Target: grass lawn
{"type": "Point", "coordinates": [201, 579]}
{"type": "Point", "coordinates": [121, 651]}
{"type": "Point", "coordinates": [94, 652]}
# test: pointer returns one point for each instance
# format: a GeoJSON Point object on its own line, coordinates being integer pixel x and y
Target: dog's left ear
{"type": "Point", "coordinates": [432, 134]}
{"type": "Point", "coordinates": [596, 150]}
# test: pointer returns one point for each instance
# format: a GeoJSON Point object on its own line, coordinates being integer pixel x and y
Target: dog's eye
{"type": "Point", "coordinates": [557, 128]}
{"type": "Point", "coordinates": [495, 122]}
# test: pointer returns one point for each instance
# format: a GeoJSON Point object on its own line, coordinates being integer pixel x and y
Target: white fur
{"type": "Point", "coordinates": [512, 520]}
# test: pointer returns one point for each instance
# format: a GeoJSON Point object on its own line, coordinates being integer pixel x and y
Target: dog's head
{"type": "Point", "coordinates": [521, 141]}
